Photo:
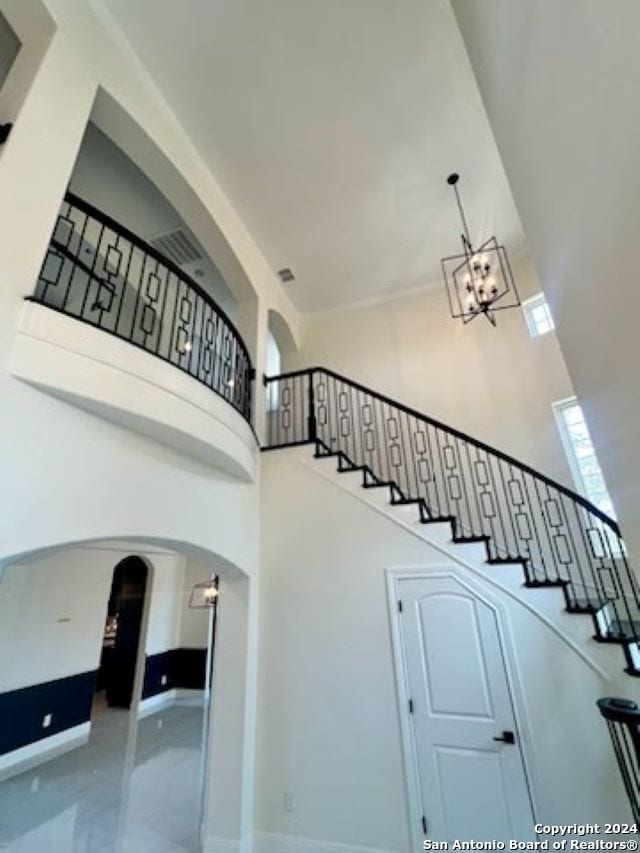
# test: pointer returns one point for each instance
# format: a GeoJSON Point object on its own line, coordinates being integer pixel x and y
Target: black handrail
{"type": "Point", "coordinates": [98, 271]}
{"type": "Point", "coordinates": [606, 519]}
{"type": "Point", "coordinates": [623, 722]}
{"type": "Point", "coordinates": [558, 536]}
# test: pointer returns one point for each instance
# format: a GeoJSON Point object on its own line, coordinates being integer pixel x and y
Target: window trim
{"type": "Point", "coordinates": [581, 487]}
{"type": "Point", "coordinates": [528, 306]}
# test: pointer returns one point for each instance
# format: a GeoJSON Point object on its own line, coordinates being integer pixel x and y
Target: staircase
{"type": "Point", "coordinates": [557, 537]}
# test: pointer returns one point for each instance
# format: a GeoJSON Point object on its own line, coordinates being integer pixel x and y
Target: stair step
{"type": "Point", "coordinates": [464, 540]}
{"type": "Point", "coordinates": [623, 629]}
{"type": "Point", "coordinates": [506, 561]}
{"type": "Point", "coordinates": [586, 609]}
{"type": "Point", "coordinates": [585, 605]}
{"type": "Point", "coordinates": [612, 638]}
{"type": "Point", "coordinates": [406, 501]}
{"type": "Point", "coordinates": [439, 519]}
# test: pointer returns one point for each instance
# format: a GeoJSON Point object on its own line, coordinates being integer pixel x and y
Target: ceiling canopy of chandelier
{"type": "Point", "coordinates": [479, 281]}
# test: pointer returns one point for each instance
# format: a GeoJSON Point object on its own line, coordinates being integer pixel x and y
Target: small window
{"type": "Point", "coordinates": [581, 454]}
{"type": "Point", "coordinates": [538, 315]}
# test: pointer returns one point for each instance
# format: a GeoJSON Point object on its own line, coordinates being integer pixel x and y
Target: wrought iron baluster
{"type": "Point", "coordinates": [123, 271]}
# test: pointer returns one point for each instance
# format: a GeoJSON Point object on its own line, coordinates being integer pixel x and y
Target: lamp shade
{"type": "Point", "coordinates": [204, 594]}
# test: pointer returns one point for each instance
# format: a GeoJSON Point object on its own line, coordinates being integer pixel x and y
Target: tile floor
{"type": "Point", "coordinates": [135, 787]}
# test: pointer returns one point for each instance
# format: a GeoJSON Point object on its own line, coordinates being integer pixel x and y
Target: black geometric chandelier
{"type": "Point", "coordinates": [478, 279]}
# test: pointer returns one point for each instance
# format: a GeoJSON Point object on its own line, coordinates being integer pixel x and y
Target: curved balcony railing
{"type": "Point", "coordinates": [560, 538]}
{"type": "Point", "coordinates": [98, 272]}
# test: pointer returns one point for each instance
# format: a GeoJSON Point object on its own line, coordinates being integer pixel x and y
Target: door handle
{"type": "Point", "coordinates": [507, 737]}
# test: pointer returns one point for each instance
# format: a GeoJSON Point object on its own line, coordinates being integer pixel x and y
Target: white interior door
{"type": "Point", "coordinates": [472, 786]}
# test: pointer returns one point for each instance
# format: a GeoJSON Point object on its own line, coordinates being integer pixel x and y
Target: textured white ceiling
{"type": "Point", "coordinates": [332, 125]}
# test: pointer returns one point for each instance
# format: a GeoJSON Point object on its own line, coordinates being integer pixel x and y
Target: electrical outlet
{"type": "Point", "coordinates": [163, 679]}
{"type": "Point", "coordinates": [46, 721]}
{"type": "Point", "coordinates": [159, 723]}
{"type": "Point", "coordinates": [35, 784]}
{"type": "Point", "coordinates": [288, 802]}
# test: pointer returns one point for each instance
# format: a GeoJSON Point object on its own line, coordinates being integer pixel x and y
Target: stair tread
{"type": "Point", "coordinates": [629, 629]}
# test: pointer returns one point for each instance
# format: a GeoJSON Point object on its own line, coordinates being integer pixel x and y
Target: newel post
{"type": "Point", "coordinates": [311, 418]}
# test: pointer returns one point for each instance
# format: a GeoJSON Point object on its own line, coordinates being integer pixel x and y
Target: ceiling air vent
{"type": "Point", "coordinates": [177, 247]}
{"type": "Point", "coordinates": [286, 275]}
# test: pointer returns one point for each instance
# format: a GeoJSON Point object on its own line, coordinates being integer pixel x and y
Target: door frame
{"type": "Point", "coordinates": [512, 672]}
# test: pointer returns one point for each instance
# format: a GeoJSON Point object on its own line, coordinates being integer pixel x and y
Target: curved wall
{"type": "Point", "coordinates": [128, 386]}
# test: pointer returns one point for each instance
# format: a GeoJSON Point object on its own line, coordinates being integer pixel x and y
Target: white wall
{"type": "Point", "coordinates": [172, 624]}
{"type": "Point", "coordinates": [558, 83]}
{"type": "Point", "coordinates": [328, 729]}
{"type": "Point", "coordinates": [34, 27]}
{"type": "Point", "coordinates": [9, 48]}
{"type": "Point", "coordinates": [52, 614]}
{"type": "Point", "coordinates": [226, 796]}
{"type": "Point", "coordinates": [53, 610]}
{"type": "Point", "coordinates": [496, 384]}
{"type": "Point", "coordinates": [165, 606]}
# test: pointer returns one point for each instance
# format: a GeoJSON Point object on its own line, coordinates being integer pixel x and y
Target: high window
{"type": "Point", "coordinates": [581, 454]}
{"type": "Point", "coordinates": [538, 315]}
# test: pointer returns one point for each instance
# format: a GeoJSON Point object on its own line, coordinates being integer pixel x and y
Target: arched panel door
{"type": "Point", "coordinates": [470, 765]}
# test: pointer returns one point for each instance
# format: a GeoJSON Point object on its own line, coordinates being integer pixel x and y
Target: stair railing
{"type": "Point", "coordinates": [99, 272]}
{"type": "Point", "coordinates": [559, 537]}
{"type": "Point", "coordinates": [623, 720]}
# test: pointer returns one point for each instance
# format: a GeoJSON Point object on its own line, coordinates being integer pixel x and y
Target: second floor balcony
{"type": "Point", "coordinates": [99, 273]}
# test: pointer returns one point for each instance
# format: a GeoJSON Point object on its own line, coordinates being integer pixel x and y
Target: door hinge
{"type": "Point", "coordinates": [424, 824]}
{"type": "Point", "coordinates": [411, 706]}
{"type": "Point", "coordinates": [399, 605]}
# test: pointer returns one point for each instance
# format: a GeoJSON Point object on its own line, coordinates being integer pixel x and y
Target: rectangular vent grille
{"type": "Point", "coordinates": [286, 274]}
{"type": "Point", "coordinates": [177, 247]}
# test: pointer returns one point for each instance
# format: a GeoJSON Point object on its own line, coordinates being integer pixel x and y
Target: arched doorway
{"type": "Point", "coordinates": [70, 756]}
{"type": "Point", "coordinates": [123, 631]}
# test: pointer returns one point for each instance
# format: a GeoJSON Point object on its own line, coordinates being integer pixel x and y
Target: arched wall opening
{"type": "Point", "coordinates": [283, 340]}
{"type": "Point", "coordinates": [106, 177]}
{"type": "Point", "coordinates": [111, 118]}
{"type": "Point", "coordinates": [52, 610]}
{"type": "Point", "coordinates": [281, 347]}
{"type": "Point", "coordinates": [118, 676]}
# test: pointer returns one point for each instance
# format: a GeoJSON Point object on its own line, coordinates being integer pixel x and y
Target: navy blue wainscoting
{"type": "Point", "coordinates": [183, 667]}
{"type": "Point", "coordinates": [68, 700]}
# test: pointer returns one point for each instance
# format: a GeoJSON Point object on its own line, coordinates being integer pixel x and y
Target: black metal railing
{"type": "Point", "coordinates": [623, 720]}
{"type": "Point", "coordinates": [98, 272]}
{"type": "Point", "coordinates": [559, 537]}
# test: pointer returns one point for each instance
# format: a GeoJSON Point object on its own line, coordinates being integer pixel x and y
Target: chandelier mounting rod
{"type": "Point", "coordinates": [452, 180]}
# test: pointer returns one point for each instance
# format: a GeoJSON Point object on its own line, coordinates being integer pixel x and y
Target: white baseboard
{"type": "Point", "coordinates": [177, 695]}
{"type": "Point", "coordinates": [185, 696]}
{"type": "Point", "coordinates": [155, 703]}
{"type": "Point", "coordinates": [272, 842]}
{"type": "Point", "coordinates": [216, 844]}
{"type": "Point", "coordinates": [20, 760]}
